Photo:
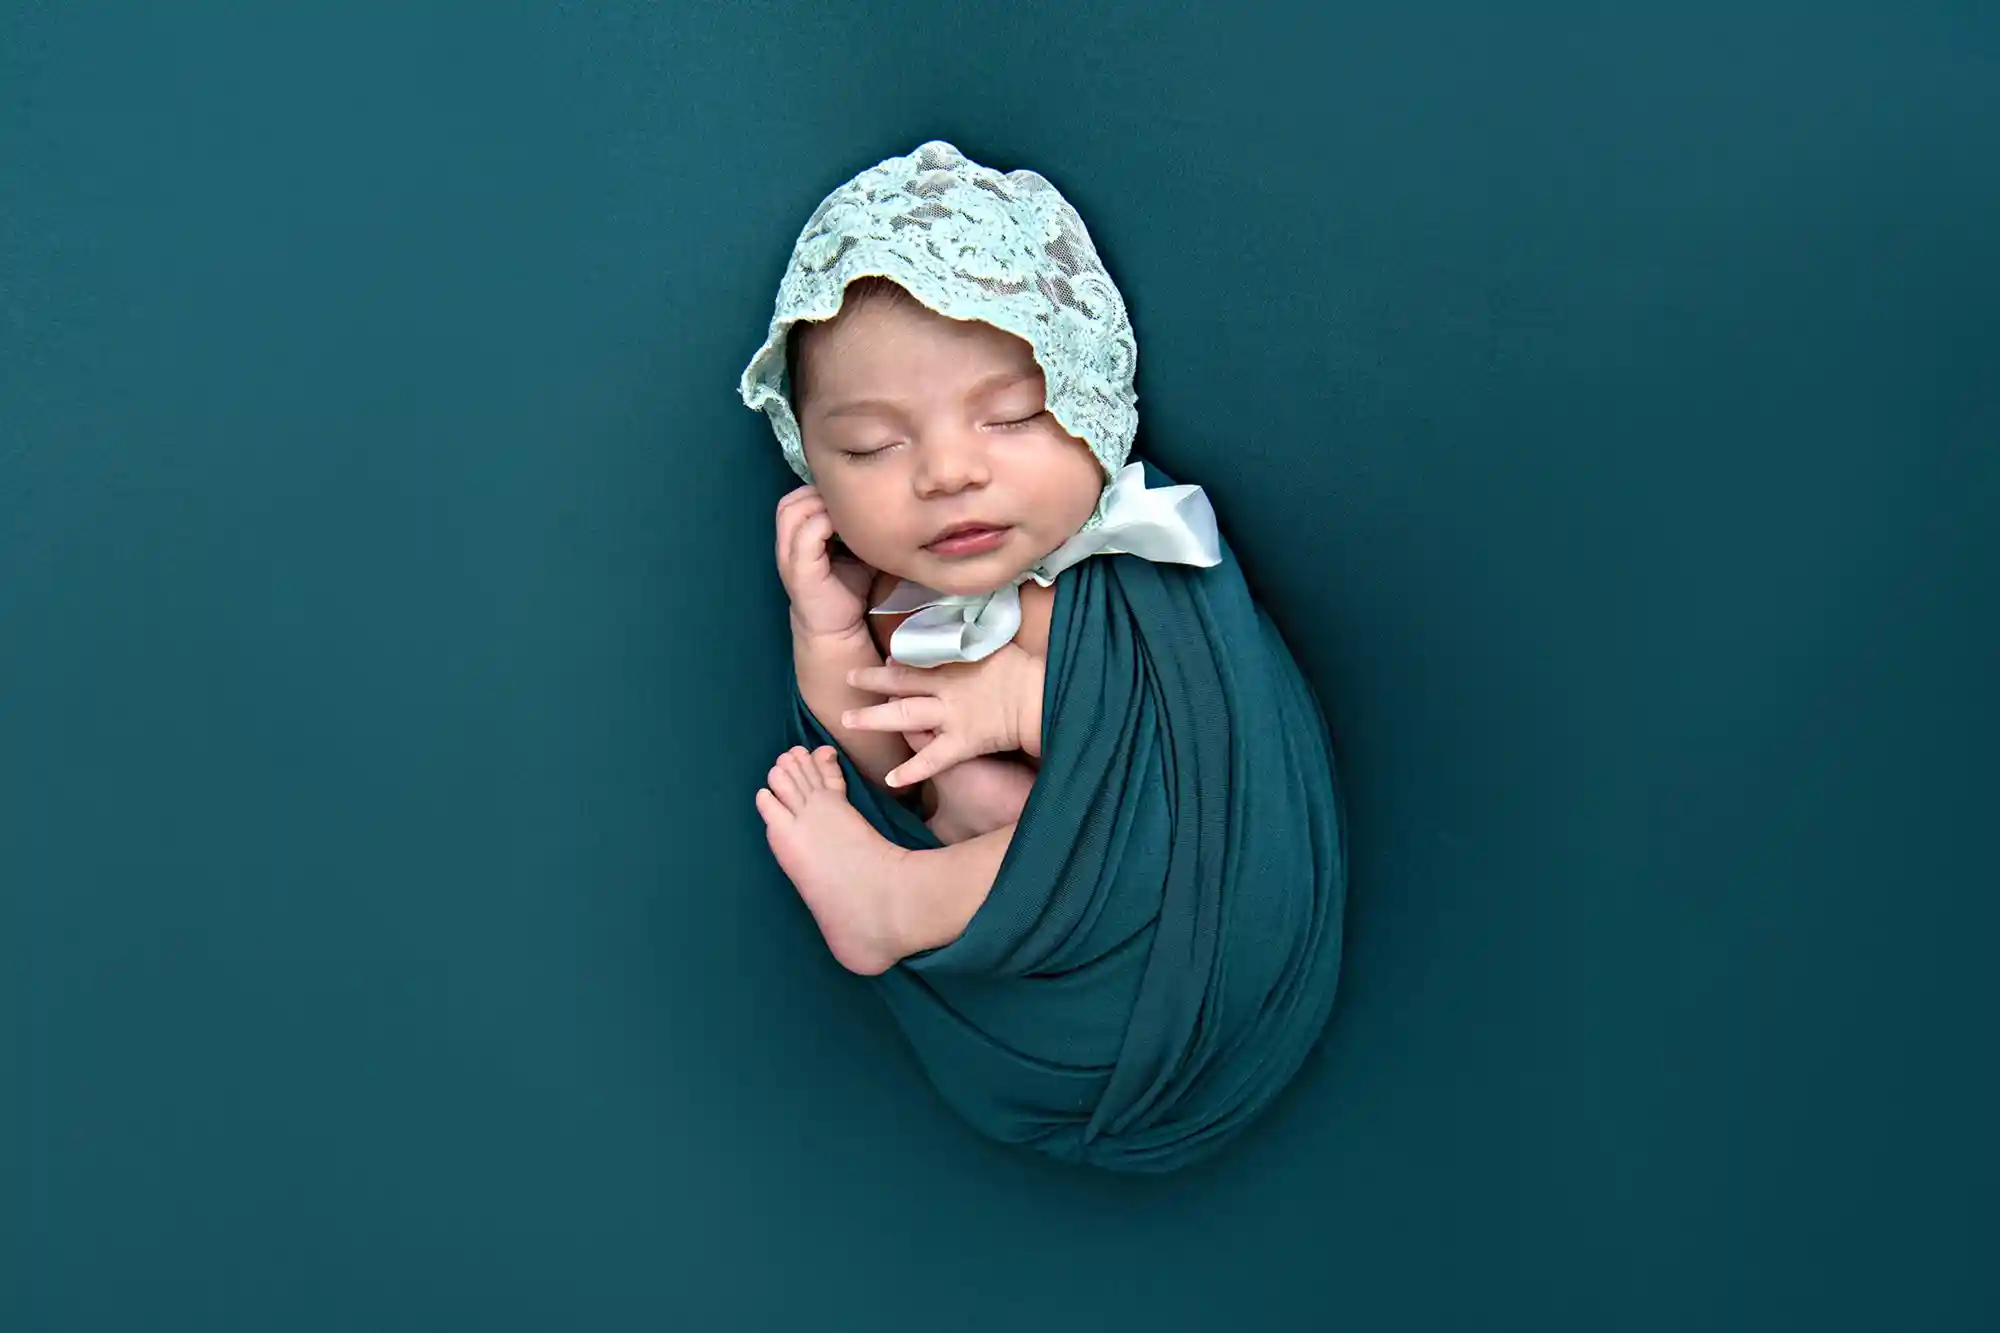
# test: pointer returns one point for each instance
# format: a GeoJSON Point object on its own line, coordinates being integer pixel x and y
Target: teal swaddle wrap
{"type": "Point", "coordinates": [1161, 948]}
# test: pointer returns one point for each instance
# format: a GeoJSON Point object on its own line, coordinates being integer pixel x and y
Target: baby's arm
{"type": "Point", "coordinates": [969, 797]}
{"type": "Point", "coordinates": [992, 706]}
{"type": "Point", "coordinates": [966, 799]}
{"type": "Point", "coordinates": [822, 663]}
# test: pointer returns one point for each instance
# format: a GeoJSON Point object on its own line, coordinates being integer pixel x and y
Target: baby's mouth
{"type": "Point", "coordinates": [967, 539]}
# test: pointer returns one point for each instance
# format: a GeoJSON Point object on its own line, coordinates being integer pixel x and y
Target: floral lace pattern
{"type": "Point", "coordinates": [969, 243]}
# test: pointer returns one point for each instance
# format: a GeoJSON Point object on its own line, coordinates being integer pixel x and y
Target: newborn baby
{"type": "Point", "coordinates": [937, 462]}
{"type": "Point", "coordinates": [1060, 788]}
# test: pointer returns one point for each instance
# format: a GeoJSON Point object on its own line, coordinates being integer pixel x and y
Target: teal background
{"type": "Point", "coordinates": [1603, 399]}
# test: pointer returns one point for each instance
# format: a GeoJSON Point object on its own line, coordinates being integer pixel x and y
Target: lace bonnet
{"type": "Point", "coordinates": [969, 243]}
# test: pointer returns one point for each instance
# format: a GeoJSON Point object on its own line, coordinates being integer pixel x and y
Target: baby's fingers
{"type": "Point", "coordinates": [919, 713]}
{"type": "Point", "coordinates": [892, 678]}
{"type": "Point", "coordinates": [807, 547]}
{"type": "Point", "coordinates": [798, 496]}
{"type": "Point", "coordinates": [926, 763]}
{"type": "Point", "coordinates": [793, 508]}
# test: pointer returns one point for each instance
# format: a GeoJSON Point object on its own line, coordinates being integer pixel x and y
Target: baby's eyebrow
{"type": "Point", "coordinates": [1001, 379]}
{"type": "Point", "coordinates": [858, 407]}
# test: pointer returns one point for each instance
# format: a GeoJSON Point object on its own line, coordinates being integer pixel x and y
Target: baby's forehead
{"type": "Point", "coordinates": [902, 338]}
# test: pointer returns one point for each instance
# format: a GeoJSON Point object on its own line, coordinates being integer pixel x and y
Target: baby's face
{"type": "Point", "coordinates": [914, 424]}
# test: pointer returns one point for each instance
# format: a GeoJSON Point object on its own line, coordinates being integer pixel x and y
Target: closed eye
{"type": "Point", "coordinates": [859, 454]}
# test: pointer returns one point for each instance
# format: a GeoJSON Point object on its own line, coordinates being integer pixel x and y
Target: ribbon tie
{"type": "Point", "coordinates": [1169, 525]}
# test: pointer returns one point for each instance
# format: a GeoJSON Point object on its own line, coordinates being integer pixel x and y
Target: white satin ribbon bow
{"type": "Point", "coordinates": [1170, 525]}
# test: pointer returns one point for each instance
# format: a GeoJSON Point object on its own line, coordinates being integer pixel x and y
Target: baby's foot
{"type": "Point", "coordinates": [979, 795]}
{"type": "Point", "coordinates": [842, 867]}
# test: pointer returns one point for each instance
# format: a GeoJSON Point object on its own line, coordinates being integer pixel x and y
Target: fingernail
{"type": "Point", "coordinates": [851, 675]}
{"type": "Point", "coordinates": [894, 779]}
{"type": "Point", "coordinates": [847, 719]}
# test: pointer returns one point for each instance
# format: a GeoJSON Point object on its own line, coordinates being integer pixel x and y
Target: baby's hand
{"type": "Point", "coordinates": [829, 596]}
{"type": "Point", "coordinates": [986, 707]}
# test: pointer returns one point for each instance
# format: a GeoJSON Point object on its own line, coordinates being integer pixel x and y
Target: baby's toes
{"type": "Point", "coordinates": [826, 760]}
{"type": "Point", "coordinates": [798, 762]}
{"type": "Point", "coordinates": [783, 781]}
{"type": "Point", "coordinates": [773, 810]}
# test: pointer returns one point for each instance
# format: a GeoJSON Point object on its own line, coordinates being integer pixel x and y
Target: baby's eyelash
{"type": "Point", "coordinates": [859, 454]}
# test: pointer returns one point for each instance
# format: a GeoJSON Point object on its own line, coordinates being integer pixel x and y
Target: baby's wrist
{"type": "Point", "coordinates": [804, 635]}
{"type": "Point", "coordinates": [1026, 694]}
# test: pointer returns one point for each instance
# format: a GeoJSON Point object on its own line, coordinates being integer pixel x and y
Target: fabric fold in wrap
{"type": "Point", "coordinates": [1161, 948]}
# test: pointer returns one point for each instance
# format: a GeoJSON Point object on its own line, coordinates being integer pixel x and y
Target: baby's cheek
{"type": "Point", "coordinates": [1081, 482]}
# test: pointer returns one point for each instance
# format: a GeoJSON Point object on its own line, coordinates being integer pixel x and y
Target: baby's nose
{"type": "Point", "coordinates": [954, 466]}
